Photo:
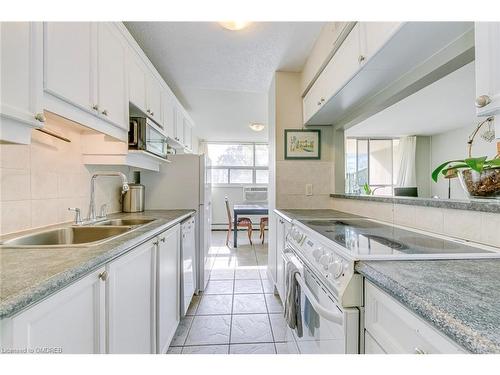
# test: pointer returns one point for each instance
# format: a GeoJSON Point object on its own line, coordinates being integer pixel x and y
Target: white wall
{"type": "Point", "coordinates": [38, 182]}
{"type": "Point", "coordinates": [453, 145]}
{"type": "Point", "coordinates": [423, 166]}
{"type": "Point", "coordinates": [293, 175]}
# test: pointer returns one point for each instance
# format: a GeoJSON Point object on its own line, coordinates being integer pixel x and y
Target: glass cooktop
{"type": "Point", "coordinates": [366, 237]}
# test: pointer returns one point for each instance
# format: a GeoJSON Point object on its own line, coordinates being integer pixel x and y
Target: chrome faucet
{"type": "Point", "coordinates": [92, 216]}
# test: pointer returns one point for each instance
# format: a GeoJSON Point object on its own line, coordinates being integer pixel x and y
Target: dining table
{"type": "Point", "coordinates": [247, 209]}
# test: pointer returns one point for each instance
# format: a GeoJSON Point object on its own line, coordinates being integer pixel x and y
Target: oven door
{"type": "Point", "coordinates": [156, 142]}
{"type": "Point", "coordinates": [326, 328]}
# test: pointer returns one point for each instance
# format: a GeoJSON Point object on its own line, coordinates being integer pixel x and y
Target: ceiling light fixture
{"type": "Point", "coordinates": [234, 25]}
{"type": "Point", "coordinates": [256, 127]}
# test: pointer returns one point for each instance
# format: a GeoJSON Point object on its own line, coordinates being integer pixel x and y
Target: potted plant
{"type": "Point", "coordinates": [479, 177]}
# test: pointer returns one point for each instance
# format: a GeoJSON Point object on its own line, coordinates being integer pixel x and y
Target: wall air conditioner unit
{"type": "Point", "coordinates": [255, 194]}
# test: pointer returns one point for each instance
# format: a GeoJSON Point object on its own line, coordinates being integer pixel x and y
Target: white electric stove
{"type": "Point", "coordinates": [326, 250]}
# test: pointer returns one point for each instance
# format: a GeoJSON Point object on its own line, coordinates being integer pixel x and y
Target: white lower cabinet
{"type": "Point", "coordinates": [168, 287]}
{"type": "Point", "coordinates": [72, 319]}
{"type": "Point", "coordinates": [393, 329]}
{"type": "Point", "coordinates": [131, 301]}
{"type": "Point", "coordinates": [130, 305]}
{"type": "Point", "coordinates": [271, 247]}
{"type": "Point", "coordinates": [276, 262]}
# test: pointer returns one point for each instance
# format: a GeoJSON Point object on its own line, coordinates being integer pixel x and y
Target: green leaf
{"type": "Point", "coordinates": [435, 173]}
{"type": "Point", "coordinates": [476, 164]}
{"type": "Point", "coordinates": [493, 163]}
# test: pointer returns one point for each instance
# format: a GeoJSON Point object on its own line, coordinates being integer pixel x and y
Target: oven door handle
{"type": "Point", "coordinates": [332, 316]}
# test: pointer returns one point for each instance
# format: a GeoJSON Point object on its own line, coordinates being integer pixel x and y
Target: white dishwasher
{"type": "Point", "coordinates": [188, 263]}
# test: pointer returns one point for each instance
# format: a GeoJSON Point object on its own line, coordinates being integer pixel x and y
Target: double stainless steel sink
{"type": "Point", "coordinates": [77, 235]}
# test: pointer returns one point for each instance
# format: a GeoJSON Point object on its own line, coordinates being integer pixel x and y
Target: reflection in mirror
{"type": "Point", "coordinates": [394, 152]}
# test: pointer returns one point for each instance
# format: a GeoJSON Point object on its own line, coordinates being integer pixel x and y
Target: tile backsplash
{"type": "Point", "coordinates": [38, 182]}
{"type": "Point", "coordinates": [481, 227]}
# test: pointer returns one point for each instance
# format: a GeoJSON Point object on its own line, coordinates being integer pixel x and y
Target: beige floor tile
{"type": "Point", "coordinates": [215, 305]}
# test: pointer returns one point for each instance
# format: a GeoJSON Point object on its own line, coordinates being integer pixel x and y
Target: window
{"type": "Point", "coordinates": [372, 162]}
{"type": "Point", "coordinates": [239, 163]}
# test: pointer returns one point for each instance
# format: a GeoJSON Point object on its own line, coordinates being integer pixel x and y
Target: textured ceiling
{"type": "Point", "coordinates": [221, 76]}
{"type": "Point", "coordinates": [442, 106]}
{"type": "Point", "coordinates": [205, 55]}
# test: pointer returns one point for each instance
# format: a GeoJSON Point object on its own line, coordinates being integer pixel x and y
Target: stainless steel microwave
{"type": "Point", "coordinates": [144, 134]}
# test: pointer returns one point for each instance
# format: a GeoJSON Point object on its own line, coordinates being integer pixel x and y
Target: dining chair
{"type": "Point", "coordinates": [243, 222]}
{"type": "Point", "coordinates": [264, 221]}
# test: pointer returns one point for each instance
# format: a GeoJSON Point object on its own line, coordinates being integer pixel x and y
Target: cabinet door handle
{"type": "Point", "coordinates": [103, 275]}
{"type": "Point", "coordinates": [482, 101]}
{"type": "Point", "coordinates": [361, 58]}
{"type": "Point", "coordinates": [105, 112]}
{"type": "Point", "coordinates": [162, 239]}
{"type": "Point", "coordinates": [152, 113]}
{"type": "Point", "coordinates": [95, 107]}
{"type": "Point", "coordinates": [419, 351]}
{"type": "Point", "coordinates": [156, 243]}
{"type": "Point", "coordinates": [40, 117]}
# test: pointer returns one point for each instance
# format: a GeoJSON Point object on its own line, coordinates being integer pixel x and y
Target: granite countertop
{"type": "Point", "coordinates": [461, 298]}
{"type": "Point", "coordinates": [482, 205]}
{"type": "Point", "coordinates": [28, 275]}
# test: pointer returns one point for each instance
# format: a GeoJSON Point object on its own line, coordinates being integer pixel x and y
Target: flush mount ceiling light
{"type": "Point", "coordinates": [256, 127]}
{"type": "Point", "coordinates": [234, 25]}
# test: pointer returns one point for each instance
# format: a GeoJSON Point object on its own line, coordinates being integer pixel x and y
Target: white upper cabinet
{"type": "Point", "coordinates": [72, 319]}
{"type": "Point", "coordinates": [145, 90]}
{"type": "Point", "coordinates": [131, 301]}
{"type": "Point", "coordinates": [344, 63]}
{"type": "Point", "coordinates": [179, 125]}
{"type": "Point", "coordinates": [87, 72]}
{"type": "Point", "coordinates": [188, 134]}
{"type": "Point", "coordinates": [168, 115]}
{"type": "Point", "coordinates": [85, 75]}
{"type": "Point", "coordinates": [20, 80]}
{"type": "Point", "coordinates": [153, 96]}
{"type": "Point", "coordinates": [68, 62]}
{"type": "Point", "coordinates": [136, 81]}
{"type": "Point", "coordinates": [380, 61]}
{"type": "Point", "coordinates": [487, 44]}
{"type": "Point", "coordinates": [373, 35]}
{"type": "Point", "coordinates": [112, 97]}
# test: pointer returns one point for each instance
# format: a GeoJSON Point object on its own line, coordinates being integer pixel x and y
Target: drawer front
{"type": "Point", "coordinates": [397, 330]}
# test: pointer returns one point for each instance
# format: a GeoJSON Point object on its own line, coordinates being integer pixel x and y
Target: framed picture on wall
{"type": "Point", "coordinates": [302, 144]}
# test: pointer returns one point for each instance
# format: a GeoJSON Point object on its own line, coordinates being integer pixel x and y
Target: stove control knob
{"type": "Point", "coordinates": [335, 268]}
{"type": "Point", "coordinates": [317, 253]}
{"type": "Point", "coordinates": [325, 260]}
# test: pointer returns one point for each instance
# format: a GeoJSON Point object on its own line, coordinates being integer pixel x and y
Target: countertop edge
{"type": "Point", "coordinates": [485, 205]}
{"type": "Point", "coordinates": [468, 339]}
{"type": "Point", "coordinates": [29, 297]}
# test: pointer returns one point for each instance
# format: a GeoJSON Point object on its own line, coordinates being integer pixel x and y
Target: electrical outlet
{"type": "Point", "coordinates": [309, 189]}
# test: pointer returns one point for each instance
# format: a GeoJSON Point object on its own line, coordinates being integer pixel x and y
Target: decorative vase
{"type": "Point", "coordinates": [485, 184]}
